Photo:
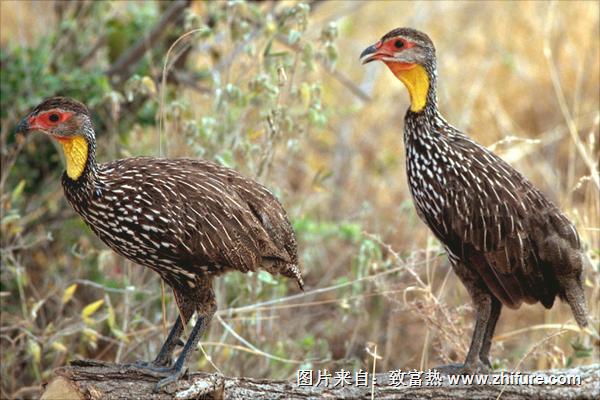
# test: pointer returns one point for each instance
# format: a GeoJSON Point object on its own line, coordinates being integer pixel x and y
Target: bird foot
{"type": "Point", "coordinates": [156, 366]}
{"type": "Point", "coordinates": [478, 367]}
{"type": "Point", "coordinates": [165, 375]}
{"type": "Point", "coordinates": [174, 375]}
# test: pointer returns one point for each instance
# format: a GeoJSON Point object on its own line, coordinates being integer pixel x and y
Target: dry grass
{"type": "Point", "coordinates": [527, 70]}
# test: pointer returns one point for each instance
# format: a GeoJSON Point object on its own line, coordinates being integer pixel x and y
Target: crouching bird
{"type": "Point", "coordinates": [188, 220]}
{"type": "Point", "coordinates": [506, 241]}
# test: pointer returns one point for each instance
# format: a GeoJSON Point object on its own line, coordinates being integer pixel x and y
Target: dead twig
{"type": "Point", "coordinates": [122, 68]}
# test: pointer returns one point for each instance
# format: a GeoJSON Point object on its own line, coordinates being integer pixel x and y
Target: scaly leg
{"type": "Point", "coordinates": [472, 363]}
{"type": "Point", "coordinates": [484, 355]}
{"type": "Point", "coordinates": [164, 358]}
{"type": "Point", "coordinates": [204, 300]}
{"type": "Point", "coordinates": [483, 304]}
{"type": "Point", "coordinates": [165, 355]}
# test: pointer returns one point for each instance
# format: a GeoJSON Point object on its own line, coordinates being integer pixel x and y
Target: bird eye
{"type": "Point", "coordinates": [54, 117]}
{"type": "Point", "coordinates": [399, 44]}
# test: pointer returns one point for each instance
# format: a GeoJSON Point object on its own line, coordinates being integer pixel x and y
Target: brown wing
{"type": "Point", "coordinates": [207, 218]}
{"type": "Point", "coordinates": [267, 210]}
{"type": "Point", "coordinates": [272, 217]}
{"type": "Point", "coordinates": [495, 218]}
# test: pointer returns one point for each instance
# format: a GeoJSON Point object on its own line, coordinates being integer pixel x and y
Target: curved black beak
{"type": "Point", "coordinates": [368, 54]}
{"type": "Point", "coordinates": [22, 127]}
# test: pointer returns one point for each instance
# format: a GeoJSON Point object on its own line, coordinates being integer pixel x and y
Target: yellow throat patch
{"type": "Point", "coordinates": [416, 80]}
{"type": "Point", "coordinates": [76, 154]}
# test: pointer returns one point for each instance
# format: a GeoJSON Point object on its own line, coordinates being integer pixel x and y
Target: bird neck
{"type": "Point", "coordinates": [79, 156]}
{"type": "Point", "coordinates": [419, 81]}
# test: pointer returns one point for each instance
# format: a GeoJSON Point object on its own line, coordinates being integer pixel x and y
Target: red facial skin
{"type": "Point", "coordinates": [388, 49]}
{"type": "Point", "coordinates": [43, 122]}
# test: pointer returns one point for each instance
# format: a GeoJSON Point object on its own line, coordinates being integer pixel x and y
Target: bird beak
{"type": "Point", "coordinates": [369, 54]}
{"type": "Point", "coordinates": [28, 125]}
{"type": "Point", "coordinates": [23, 127]}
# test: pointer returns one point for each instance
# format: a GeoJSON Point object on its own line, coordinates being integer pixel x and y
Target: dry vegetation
{"type": "Point", "coordinates": [325, 133]}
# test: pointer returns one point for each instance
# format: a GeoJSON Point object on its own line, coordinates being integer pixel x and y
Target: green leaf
{"type": "Point", "coordinates": [351, 231]}
{"type": "Point", "coordinates": [34, 350]}
{"type": "Point", "coordinates": [293, 36]}
{"type": "Point", "coordinates": [16, 193]}
{"type": "Point", "coordinates": [266, 277]}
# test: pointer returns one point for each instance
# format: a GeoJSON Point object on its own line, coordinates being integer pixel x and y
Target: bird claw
{"type": "Point", "coordinates": [166, 375]}
{"type": "Point", "coordinates": [151, 368]}
{"type": "Point", "coordinates": [175, 375]}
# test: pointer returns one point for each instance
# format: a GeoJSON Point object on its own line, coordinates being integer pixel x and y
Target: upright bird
{"type": "Point", "coordinates": [505, 240]}
{"type": "Point", "coordinates": [189, 220]}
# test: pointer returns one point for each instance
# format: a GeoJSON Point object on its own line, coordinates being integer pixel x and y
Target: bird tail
{"type": "Point", "coordinates": [575, 297]}
{"type": "Point", "coordinates": [287, 269]}
{"type": "Point", "coordinates": [292, 271]}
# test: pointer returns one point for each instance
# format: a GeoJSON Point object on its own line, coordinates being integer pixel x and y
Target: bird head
{"type": "Point", "coordinates": [410, 55]}
{"type": "Point", "coordinates": [59, 117]}
{"type": "Point", "coordinates": [69, 123]}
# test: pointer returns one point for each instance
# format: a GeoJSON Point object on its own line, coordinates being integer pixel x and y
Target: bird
{"type": "Point", "coordinates": [505, 240]}
{"type": "Point", "coordinates": [190, 220]}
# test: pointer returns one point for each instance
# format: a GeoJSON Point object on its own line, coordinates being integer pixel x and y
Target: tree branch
{"type": "Point", "coordinates": [101, 380]}
{"type": "Point", "coordinates": [122, 68]}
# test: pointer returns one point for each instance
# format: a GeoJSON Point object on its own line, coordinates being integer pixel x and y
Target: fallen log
{"type": "Point", "coordinates": [96, 380]}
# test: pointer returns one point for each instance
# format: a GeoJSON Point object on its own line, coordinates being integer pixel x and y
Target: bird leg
{"type": "Point", "coordinates": [473, 363]}
{"type": "Point", "coordinates": [484, 354]}
{"type": "Point", "coordinates": [164, 359]}
{"type": "Point", "coordinates": [204, 300]}
{"type": "Point", "coordinates": [177, 371]}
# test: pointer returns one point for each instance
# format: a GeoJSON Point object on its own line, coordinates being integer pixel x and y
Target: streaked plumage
{"type": "Point", "coordinates": [506, 241]}
{"type": "Point", "coordinates": [185, 218]}
{"type": "Point", "coordinates": [189, 220]}
{"type": "Point", "coordinates": [485, 211]}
